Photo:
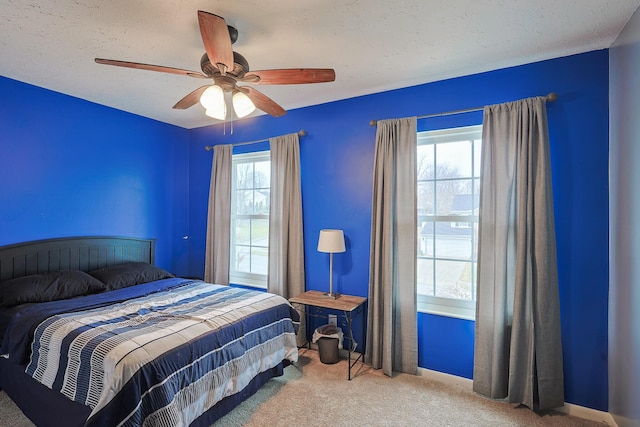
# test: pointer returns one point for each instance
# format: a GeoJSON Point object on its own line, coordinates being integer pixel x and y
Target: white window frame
{"type": "Point", "coordinates": [239, 277]}
{"type": "Point", "coordinates": [450, 307]}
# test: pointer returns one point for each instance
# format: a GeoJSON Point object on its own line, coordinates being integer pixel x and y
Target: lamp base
{"type": "Point", "coordinates": [332, 295]}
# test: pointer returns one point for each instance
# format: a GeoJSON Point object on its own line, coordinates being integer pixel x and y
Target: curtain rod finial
{"type": "Point", "coordinates": [373, 122]}
{"type": "Point", "coordinates": [552, 97]}
{"type": "Point", "coordinates": [302, 132]}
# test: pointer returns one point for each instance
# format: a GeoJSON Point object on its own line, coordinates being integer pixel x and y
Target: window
{"type": "Point", "coordinates": [448, 169]}
{"type": "Point", "coordinates": [250, 198]}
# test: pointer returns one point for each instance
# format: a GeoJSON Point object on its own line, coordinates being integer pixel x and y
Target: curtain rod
{"type": "Point", "coordinates": [551, 97]}
{"type": "Point", "coordinates": [210, 147]}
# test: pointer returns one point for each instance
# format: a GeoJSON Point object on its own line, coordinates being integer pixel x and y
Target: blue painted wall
{"type": "Point", "coordinates": [446, 344]}
{"type": "Point", "coordinates": [69, 167]}
{"type": "Point", "coordinates": [337, 160]}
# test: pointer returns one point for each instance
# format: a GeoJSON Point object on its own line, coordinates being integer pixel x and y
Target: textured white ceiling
{"type": "Point", "coordinates": [373, 45]}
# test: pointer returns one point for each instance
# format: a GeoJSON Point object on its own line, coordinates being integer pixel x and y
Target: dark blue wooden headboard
{"type": "Point", "coordinates": [72, 253]}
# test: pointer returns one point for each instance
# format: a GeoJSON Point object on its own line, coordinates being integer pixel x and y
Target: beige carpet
{"type": "Point", "coordinates": [315, 394]}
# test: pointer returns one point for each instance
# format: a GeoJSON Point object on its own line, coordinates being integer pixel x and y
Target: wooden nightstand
{"type": "Point", "coordinates": [350, 306]}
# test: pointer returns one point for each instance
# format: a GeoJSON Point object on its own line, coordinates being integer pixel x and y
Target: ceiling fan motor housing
{"type": "Point", "coordinates": [240, 66]}
{"type": "Point", "coordinates": [233, 33]}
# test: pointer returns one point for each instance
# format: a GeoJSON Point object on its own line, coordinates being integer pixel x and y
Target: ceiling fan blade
{"type": "Point", "coordinates": [190, 100]}
{"type": "Point", "coordinates": [263, 102]}
{"type": "Point", "coordinates": [290, 76]}
{"type": "Point", "coordinates": [216, 39]}
{"type": "Point", "coordinates": [150, 67]}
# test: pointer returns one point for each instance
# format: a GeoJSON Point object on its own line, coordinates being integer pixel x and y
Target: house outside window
{"type": "Point", "coordinates": [250, 201]}
{"type": "Point", "coordinates": [448, 169]}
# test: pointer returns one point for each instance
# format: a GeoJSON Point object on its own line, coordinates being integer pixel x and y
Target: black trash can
{"type": "Point", "coordinates": [328, 350]}
{"type": "Point", "coordinates": [329, 340]}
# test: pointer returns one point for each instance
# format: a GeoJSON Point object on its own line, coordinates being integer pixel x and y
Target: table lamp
{"type": "Point", "coordinates": [331, 241]}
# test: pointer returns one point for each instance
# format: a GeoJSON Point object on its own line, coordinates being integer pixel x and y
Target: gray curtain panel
{"type": "Point", "coordinates": [286, 243]}
{"type": "Point", "coordinates": [216, 268]}
{"type": "Point", "coordinates": [392, 342]}
{"type": "Point", "coordinates": [518, 351]}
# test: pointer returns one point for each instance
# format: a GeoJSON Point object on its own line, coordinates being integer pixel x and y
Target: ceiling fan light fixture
{"type": "Point", "coordinates": [212, 99]}
{"type": "Point", "coordinates": [217, 113]}
{"type": "Point", "coordinates": [242, 104]}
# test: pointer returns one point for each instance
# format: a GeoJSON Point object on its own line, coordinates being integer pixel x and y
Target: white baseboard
{"type": "Point", "coordinates": [568, 408]}
{"type": "Point", "coordinates": [588, 414]}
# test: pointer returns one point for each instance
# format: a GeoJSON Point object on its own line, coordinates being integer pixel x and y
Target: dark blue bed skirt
{"type": "Point", "coordinates": [45, 407]}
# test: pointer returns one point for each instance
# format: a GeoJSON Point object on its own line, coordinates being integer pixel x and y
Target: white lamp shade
{"type": "Point", "coordinates": [219, 114]}
{"type": "Point", "coordinates": [242, 105]}
{"type": "Point", "coordinates": [212, 99]}
{"type": "Point", "coordinates": [331, 241]}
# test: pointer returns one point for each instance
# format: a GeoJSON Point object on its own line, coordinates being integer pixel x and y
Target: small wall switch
{"type": "Point", "coordinates": [333, 319]}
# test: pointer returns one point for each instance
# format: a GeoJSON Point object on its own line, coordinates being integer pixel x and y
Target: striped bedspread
{"type": "Point", "coordinates": [164, 358]}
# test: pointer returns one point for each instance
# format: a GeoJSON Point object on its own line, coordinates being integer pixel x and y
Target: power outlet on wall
{"type": "Point", "coordinates": [333, 319]}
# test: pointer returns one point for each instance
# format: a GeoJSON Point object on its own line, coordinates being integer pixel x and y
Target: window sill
{"type": "Point", "coordinates": [447, 311]}
{"type": "Point", "coordinates": [249, 287]}
{"type": "Point", "coordinates": [247, 282]}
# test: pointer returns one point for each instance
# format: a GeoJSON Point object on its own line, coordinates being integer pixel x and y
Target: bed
{"type": "Point", "coordinates": [92, 333]}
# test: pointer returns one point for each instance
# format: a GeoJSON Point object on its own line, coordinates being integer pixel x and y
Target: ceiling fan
{"type": "Point", "coordinates": [227, 68]}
